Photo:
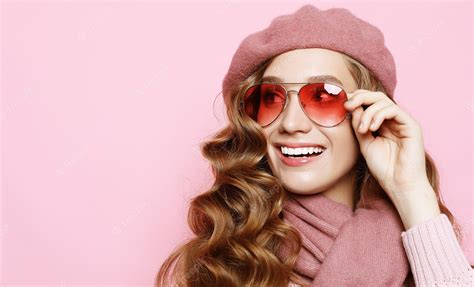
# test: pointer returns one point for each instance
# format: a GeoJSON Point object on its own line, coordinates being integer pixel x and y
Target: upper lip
{"type": "Point", "coordinates": [298, 144]}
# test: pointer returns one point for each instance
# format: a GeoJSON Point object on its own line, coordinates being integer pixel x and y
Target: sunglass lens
{"type": "Point", "coordinates": [324, 103]}
{"type": "Point", "coordinates": [264, 102]}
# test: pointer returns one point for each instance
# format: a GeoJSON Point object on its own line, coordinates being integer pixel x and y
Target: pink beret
{"type": "Point", "coordinates": [336, 29]}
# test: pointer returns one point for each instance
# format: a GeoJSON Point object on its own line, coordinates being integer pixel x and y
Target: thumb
{"type": "Point", "coordinates": [364, 139]}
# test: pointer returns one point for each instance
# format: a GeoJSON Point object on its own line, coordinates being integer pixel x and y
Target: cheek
{"type": "Point", "coordinates": [344, 143]}
{"type": "Point", "coordinates": [270, 149]}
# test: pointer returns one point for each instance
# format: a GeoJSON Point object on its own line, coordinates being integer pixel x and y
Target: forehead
{"type": "Point", "coordinates": [308, 65]}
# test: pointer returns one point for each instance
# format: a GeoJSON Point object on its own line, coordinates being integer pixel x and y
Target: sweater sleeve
{"type": "Point", "coordinates": [435, 256]}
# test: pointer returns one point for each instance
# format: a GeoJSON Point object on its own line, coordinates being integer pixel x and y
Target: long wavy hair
{"type": "Point", "coordinates": [238, 223]}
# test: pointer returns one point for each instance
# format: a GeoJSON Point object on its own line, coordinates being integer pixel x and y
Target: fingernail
{"type": "Point", "coordinates": [361, 127]}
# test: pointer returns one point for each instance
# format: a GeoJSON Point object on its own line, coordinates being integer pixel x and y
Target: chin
{"type": "Point", "coordinates": [299, 186]}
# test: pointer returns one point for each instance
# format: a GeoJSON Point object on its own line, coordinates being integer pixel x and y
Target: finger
{"type": "Point", "coordinates": [381, 115]}
{"type": "Point", "coordinates": [365, 98]}
{"type": "Point", "coordinates": [363, 139]}
{"type": "Point", "coordinates": [401, 117]}
{"type": "Point", "coordinates": [369, 113]}
{"type": "Point", "coordinates": [353, 93]}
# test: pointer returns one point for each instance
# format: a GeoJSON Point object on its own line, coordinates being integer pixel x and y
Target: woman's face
{"type": "Point", "coordinates": [330, 171]}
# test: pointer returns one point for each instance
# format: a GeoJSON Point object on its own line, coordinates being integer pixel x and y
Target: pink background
{"type": "Point", "coordinates": [98, 163]}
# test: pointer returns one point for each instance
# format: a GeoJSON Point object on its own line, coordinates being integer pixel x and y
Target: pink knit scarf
{"type": "Point", "coordinates": [345, 248]}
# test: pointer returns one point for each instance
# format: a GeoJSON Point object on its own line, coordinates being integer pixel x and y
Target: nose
{"type": "Point", "coordinates": [294, 119]}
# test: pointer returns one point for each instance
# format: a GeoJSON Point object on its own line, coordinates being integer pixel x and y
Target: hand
{"type": "Point", "coordinates": [396, 158]}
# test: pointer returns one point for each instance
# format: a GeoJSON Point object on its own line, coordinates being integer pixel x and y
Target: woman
{"type": "Point", "coordinates": [321, 179]}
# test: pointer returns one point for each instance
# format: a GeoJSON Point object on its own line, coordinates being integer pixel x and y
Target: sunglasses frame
{"type": "Point", "coordinates": [348, 114]}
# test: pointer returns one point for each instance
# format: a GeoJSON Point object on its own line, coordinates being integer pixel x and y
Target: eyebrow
{"type": "Point", "coordinates": [312, 79]}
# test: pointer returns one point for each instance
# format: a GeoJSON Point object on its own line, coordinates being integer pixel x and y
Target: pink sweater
{"type": "Point", "coordinates": [434, 254]}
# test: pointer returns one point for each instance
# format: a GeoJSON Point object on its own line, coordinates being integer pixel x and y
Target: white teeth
{"type": "Point", "coordinates": [299, 151]}
{"type": "Point", "coordinates": [332, 89]}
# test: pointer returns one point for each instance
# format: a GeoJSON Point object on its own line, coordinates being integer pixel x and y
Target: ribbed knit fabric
{"type": "Point", "coordinates": [432, 249]}
{"type": "Point", "coordinates": [328, 220]}
{"type": "Point", "coordinates": [346, 248]}
{"type": "Point", "coordinates": [435, 256]}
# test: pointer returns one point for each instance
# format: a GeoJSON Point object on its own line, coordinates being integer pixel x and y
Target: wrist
{"type": "Point", "coordinates": [416, 205]}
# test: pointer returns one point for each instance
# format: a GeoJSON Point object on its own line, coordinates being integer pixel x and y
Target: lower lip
{"type": "Point", "coordinates": [298, 161]}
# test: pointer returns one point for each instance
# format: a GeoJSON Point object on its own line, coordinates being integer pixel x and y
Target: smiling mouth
{"type": "Point", "coordinates": [313, 154]}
